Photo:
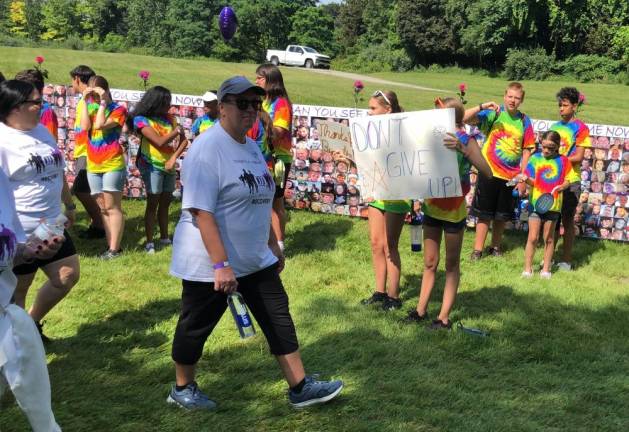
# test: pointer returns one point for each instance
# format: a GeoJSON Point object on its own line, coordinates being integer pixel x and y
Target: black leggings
{"type": "Point", "coordinates": [202, 308]}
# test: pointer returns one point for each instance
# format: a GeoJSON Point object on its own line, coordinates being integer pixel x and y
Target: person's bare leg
{"type": "Point", "coordinates": [393, 228]}
{"type": "Point", "coordinates": [292, 368]}
{"type": "Point", "coordinates": [482, 228]}
{"type": "Point", "coordinates": [432, 243]}
{"type": "Point", "coordinates": [21, 290]}
{"type": "Point", "coordinates": [278, 218]}
{"type": "Point", "coordinates": [184, 374]}
{"type": "Point", "coordinates": [568, 239]}
{"type": "Point", "coordinates": [62, 276]}
{"type": "Point", "coordinates": [165, 199]}
{"type": "Point", "coordinates": [549, 244]}
{"type": "Point", "coordinates": [377, 237]}
{"type": "Point", "coordinates": [454, 242]}
{"type": "Point", "coordinates": [497, 229]}
{"type": "Point", "coordinates": [92, 209]}
{"type": "Point", "coordinates": [115, 218]}
{"type": "Point", "coordinates": [100, 201]}
{"type": "Point", "coordinates": [149, 216]}
{"type": "Point", "coordinates": [531, 243]}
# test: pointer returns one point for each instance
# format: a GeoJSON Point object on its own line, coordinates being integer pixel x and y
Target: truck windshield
{"type": "Point", "coordinates": [310, 50]}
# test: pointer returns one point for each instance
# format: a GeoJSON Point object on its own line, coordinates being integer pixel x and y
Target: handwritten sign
{"type": "Point", "coordinates": [402, 156]}
{"type": "Point", "coordinates": [335, 136]}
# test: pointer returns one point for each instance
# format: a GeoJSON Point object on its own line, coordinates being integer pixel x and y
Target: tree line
{"type": "Point", "coordinates": [360, 34]}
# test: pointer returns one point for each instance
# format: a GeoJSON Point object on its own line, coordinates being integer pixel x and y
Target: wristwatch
{"type": "Point", "coordinates": [220, 265]}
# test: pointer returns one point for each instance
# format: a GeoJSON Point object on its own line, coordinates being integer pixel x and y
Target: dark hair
{"type": "Point", "coordinates": [84, 73]}
{"type": "Point", "coordinates": [393, 100]}
{"type": "Point", "coordinates": [151, 104]}
{"type": "Point", "coordinates": [99, 81]}
{"type": "Point", "coordinates": [570, 93]}
{"type": "Point", "coordinates": [32, 76]}
{"type": "Point", "coordinates": [553, 136]}
{"type": "Point", "coordinates": [2, 78]}
{"type": "Point", "coordinates": [13, 93]}
{"type": "Point", "coordinates": [274, 86]}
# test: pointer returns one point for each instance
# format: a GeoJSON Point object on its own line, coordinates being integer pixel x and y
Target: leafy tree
{"type": "Point", "coordinates": [17, 18]}
{"type": "Point", "coordinates": [145, 23]}
{"type": "Point", "coordinates": [32, 10]}
{"type": "Point", "coordinates": [313, 27]}
{"type": "Point", "coordinates": [349, 24]}
{"type": "Point", "coordinates": [188, 26]}
{"type": "Point", "coordinates": [59, 19]}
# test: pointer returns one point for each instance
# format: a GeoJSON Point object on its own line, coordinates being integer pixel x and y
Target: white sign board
{"type": "Point", "coordinates": [402, 156]}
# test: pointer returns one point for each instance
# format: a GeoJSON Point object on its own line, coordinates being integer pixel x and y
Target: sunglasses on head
{"type": "Point", "coordinates": [381, 94]}
{"type": "Point", "coordinates": [242, 104]}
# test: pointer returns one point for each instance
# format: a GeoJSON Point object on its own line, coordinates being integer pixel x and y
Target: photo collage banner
{"type": "Point", "coordinates": [328, 181]}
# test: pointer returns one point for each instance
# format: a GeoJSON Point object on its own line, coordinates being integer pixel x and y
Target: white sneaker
{"type": "Point", "coordinates": [150, 248]}
{"type": "Point", "coordinates": [566, 266]}
{"type": "Point", "coordinates": [527, 274]}
{"type": "Point", "coordinates": [545, 275]}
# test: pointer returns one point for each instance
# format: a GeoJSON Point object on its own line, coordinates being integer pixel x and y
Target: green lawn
{"type": "Point", "coordinates": [556, 360]}
{"type": "Point", "coordinates": [607, 102]}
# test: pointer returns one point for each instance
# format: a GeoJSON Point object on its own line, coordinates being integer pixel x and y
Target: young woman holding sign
{"type": "Point", "coordinates": [386, 219]}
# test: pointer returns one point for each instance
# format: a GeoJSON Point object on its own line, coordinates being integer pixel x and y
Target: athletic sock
{"type": "Point", "coordinates": [299, 387]}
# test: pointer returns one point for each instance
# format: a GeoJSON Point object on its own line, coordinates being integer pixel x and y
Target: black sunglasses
{"type": "Point", "coordinates": [33, 101]}
{"type": "Point", "coordinates": [243, 104]}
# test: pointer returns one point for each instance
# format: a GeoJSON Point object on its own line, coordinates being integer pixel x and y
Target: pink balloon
{"type": "Point", "coordinates": [227, 22]}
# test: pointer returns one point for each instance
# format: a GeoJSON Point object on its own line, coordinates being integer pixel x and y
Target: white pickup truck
{"type": "Point", "coordinates": [298, 55]}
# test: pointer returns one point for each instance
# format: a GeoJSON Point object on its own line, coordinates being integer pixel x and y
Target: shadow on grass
{"type": "Point", "coordinates": [317, 236]}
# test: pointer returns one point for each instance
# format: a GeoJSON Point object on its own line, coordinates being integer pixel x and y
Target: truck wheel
{"type": "Point", "coordinates": [309, 64]}
{"type": "Point", "coordinates": [275, 61]}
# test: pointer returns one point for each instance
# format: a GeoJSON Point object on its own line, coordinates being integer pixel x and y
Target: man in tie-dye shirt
{"type": "Point", "coordinates": [508, 145]}
{"type": "Point", "coordinates": [575, 138]}
{"type": "Point", "coordinates": [207, 120]}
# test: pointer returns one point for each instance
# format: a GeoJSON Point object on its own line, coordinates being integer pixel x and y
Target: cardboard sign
{"type": "Point", "coordinates": [402, 156]}
{"type": "Point", "coordinates": [335, 137]}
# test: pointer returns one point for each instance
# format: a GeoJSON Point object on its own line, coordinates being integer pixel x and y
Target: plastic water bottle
{"type": "Point", "coordinates": [48, 229]}
{"type": "Point", "coordinates": [240, 313]}
{"type": "Point", "coordinates": [416, 232]}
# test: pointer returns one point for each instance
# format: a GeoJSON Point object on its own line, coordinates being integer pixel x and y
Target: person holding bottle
{"type": "Point", "coordinates": [386, 220]}
{"type": "Point", "coordinates": [447, 216]}
{"type": "Point", "coordinates": [224, 243]}
{"type": "Point", "coordinates": [30, 158]}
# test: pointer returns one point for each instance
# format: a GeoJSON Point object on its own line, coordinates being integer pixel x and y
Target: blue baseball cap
{"type": "Point", "coordinates": [237, 85]}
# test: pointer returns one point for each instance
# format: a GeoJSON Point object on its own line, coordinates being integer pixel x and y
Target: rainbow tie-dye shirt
{"type": "Point", "coordinates": [546, 175]}
{"type": "Point", "coordinates": [259, 135]}
{"type": "Point", "coordinates": [281, 113]}
{"type": "Point", "coordinates": [48, 118]}
{"type": "Point", "coordinates": [201, 124]}
{"type": "Point", "coordinates": [573, 134]}
{"type": "Point", "coordinates": [506, 138]}
{"type": "Point", "coordinates": [452, 209]}
{"type": "Point", "coordinates": [152, 157]}
{"type": "Point", "coordinates": [82, 136]}
{"type": "Point", "coordinates": [104, 152]}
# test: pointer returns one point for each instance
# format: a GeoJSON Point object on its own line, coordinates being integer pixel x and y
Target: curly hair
{"type": "Point", "coordinates": [569, 93]}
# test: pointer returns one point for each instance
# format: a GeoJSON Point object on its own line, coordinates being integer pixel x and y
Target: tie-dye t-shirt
{"type": "Point", "coordinates": [259, 135]}
{"type": "Point", "coordinates": [281, 112]}
{"type": "Point", "coordinates": [201, 124]}
{"type": "Point", "coordinates": [546, 175]}
{"type": "Point", "coordinates": [506, 137]}
{"type": "Point", "coordinates": [573, 134]}
{"type": "Point", "coordinates": [452, 209]}
{"type": "Point", "coordinates": [48, 118]}
{"type": "Point", "coordinates": [152, 157]}
{"type": "Point", "coordinates": [104, 152]}
{"type": "Point", "coordinates": [81, 136]}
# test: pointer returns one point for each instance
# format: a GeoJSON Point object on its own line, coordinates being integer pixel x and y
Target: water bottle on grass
{"type": "Point", "coordinates": [240, 313]}
{"type": "Point", "coordinates": [416, 232]}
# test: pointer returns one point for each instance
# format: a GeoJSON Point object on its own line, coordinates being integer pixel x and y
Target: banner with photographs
{"type": "Point", "coordinates": [323, 177]}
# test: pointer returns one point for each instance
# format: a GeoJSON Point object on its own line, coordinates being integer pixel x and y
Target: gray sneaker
{"type": "Point", "coordinates": [315, 392]}
{"type": "Point", "coordinates": [190, 398]}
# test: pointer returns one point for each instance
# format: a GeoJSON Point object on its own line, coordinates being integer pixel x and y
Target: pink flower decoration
{"type": "Point", "coordinates": [582, 99]}
{"type": "Point", "coordinates": [358, 85]}
{"type": "Point", "coordinates": [39, 59]}
{"type": "Point", "coordinates": [462, 87]}
{"type": "Point", "coordinates": [144, 74]}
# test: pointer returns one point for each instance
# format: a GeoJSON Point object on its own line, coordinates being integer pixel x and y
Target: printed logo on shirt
{"type": "Point", "coordinates": [8, 243]}
{"type": "Point", "coordinates": [39, 163]}
{"type": "Point", "coordinates": [255, 182]}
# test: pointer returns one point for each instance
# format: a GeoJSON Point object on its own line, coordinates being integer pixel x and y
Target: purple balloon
{"type": "Point", "coordinates": [227, 22]}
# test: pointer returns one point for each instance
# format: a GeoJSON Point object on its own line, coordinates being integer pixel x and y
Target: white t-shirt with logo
{"type": "Point", "coordinates": [11, 234]}
{"type": "Point", "coordinates": [35, 168]}
{"type": "Point", "coordinates": [230, 180]}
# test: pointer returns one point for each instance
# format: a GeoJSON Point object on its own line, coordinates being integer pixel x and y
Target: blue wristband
{"type": "Point", "coordinates": [220, 265]}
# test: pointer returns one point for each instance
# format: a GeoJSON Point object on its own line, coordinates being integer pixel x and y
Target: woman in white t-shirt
{"type": "Point", "coordinates": [35, 167]}
{"type": "Point", "coordinates": [224, 243]}
{"type": "Point", "coordinates": [22, 356]}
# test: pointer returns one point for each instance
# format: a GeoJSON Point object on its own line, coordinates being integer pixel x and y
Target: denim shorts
{"type": "Point", "coordinates": [112, 181]}
{"type": "Point", "coordinates": [156, 181]}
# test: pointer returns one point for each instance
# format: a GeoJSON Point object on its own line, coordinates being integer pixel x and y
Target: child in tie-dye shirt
{"type": "Point", "coordinates": [547, 172]}
{"type": "Point", "coordinates": [210, 116]}
{"type": "Point", "coordinates": [447, 216]}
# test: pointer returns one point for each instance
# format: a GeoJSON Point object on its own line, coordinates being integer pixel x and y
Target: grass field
{"type": "Point", "coordinates": [556, 359]}
{"type": "Point", "coordinates": [606, 102]}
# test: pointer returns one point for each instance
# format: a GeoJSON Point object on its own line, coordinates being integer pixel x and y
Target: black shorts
{"type": "Point", "coordinates": [552, 216]}
{"type": "Point", "coordinates": [448, 227]}
{"type": "Point", "coordinates": [67, 249]}
{"type": "Point", "coordinates": [202, 308]}
{"type": "Point", "coordinates": [81, 185]}
{"type": "Point", "coordinates": [570, 201]}
{"type": "Point", "coordinates": [279, 191]}
{"type": "Point", "coordinates": [493, 199]}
